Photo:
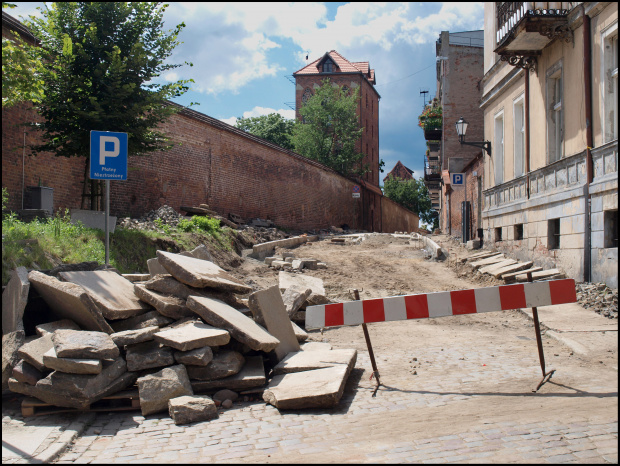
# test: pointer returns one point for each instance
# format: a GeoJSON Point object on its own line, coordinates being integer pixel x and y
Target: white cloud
{"type": "Point", "coordinates": [261, 111]}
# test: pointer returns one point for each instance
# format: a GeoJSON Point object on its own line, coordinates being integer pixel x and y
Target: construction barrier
{"type": "Point", "coordinates": [442, 304]}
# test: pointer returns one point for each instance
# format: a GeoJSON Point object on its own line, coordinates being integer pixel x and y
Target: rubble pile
{"type": "Point", "coordinates": [165, 215]}
{"type": "Point", "coordinates": [599, 298]}
{"type": "Point", "coordinates": [288, 261]}
{"type": "Point", "coordinates": [184, 340]}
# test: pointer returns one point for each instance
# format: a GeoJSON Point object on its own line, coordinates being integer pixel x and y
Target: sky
{"type": "Point", "coordinates": [244, 55]}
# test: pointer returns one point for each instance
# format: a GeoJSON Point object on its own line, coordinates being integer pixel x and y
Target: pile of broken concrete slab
{"type": "Point", "coordinates": [287, 260]}
{"type": "Point", "coordinates": [169, 336]}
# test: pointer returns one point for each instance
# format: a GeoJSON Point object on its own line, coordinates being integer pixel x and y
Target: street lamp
{"type": "Point", "coordinates": [461, 129]}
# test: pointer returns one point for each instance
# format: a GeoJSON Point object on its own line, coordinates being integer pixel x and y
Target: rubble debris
{"type": "Point", "coordinates": [71, 365]}
{"type": "Point", "coordinates": [287, 280]}
{"type": "Point", "coordinates": [149, 319]}
{"type": "Point", "coordinates": [27, 373]}
{"type": "Point", "coordinates": [294, 298]}
{"type": "Point", "coordinates": [191, 336]}
{"type": "Point", "coordinates": [84, 344]}
{"type": "Point", "coordinates": [167, 305]}
{"type": "Point", "coordinates": [51, 327]}
{"type": "Point", "coordinates": [33, 351]}
{"type": "Point", "coordinates": [157, 389]}
{"type": "Point", "coordinates": [223, 364]}
{"type": "Point", "coordinates": [148, 355]}
{"type": "Point", "coordinates": [598, 297]}
{"type": "Point", "coordinates": [251, 375]}
{"type": "Point", "coordinates": [14, 300]}
{"type": "Point", "coordinates": [132, 337]}
{"type": "Point", "coordinates": [196, 357]}
{"type": "Point", "coordinates": [11, 342]}
{"type": "Point", "coordinates": [69, 301]}
{"type": "Point", "coordinates": [187, 409]}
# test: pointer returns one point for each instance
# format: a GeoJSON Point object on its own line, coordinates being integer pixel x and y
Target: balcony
{"type": "Point", "coordinates": [431, 121]}
{"type": "Point", "coordinates": [525, 28]}
{"type": "Point", "coordinates": [431, 172]}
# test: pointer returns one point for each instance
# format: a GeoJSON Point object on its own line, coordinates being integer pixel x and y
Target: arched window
{"type": "Point", "coordinates": [306, 95]}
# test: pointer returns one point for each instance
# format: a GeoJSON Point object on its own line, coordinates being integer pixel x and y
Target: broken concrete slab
{"type": "Point", "coordinates": [132, 337]}
{"type": "Point", "coordinates": [167, 284]}
{"type": "Point", "coordinates": [294, 298]}
{"type": "Point", "coordinates": [156, 389]}
{"type": "Point", "coordinates": [480, 255]}
{"type": "Point", "coordinates": [309, 360]}
{"type": "Point", "coordinates": [169, 306]}
{"type": "Point", "coordinates": [27, 373]}
{"type": "Point", "coordinates": [201, 252]}
{"type": "Point", "coordinates": [491, 268]}
{"type": "Point", "coordinates": [267, 305]}
{"type": "Point", "coordinates": [155, 267]}
{"type": "Point", "coordinates": [300, 333]}
{"type": "Point", "coordinates": [84, 344]}
{"type": "Point", "coordinates": [14, 300]}
{"type": "Point", "coordinates": [510, 277]}
{"type": "Point", "coordinates": [187, 409]}
{"type": "Point", "coordinates": [148, 355]}
{"type": "Point", "coordinates": [316, 346]}
{"type": "Point", "coordinates": [33, 351]}
{"type": "Point", "coordinates": [281, 265]}
{"type": "Point", "coordinates": [318, 388]}
{"type": "Point", "coordinates": [113, 293]}
{"type": "Point", "coordinates": [196, 357]}
{"type": "Point", "coordinates": [512, 268]}
{"type": "Point", "coordinates": [251, 375]}
{"type": "Point", "coordinates": [192, 335]}
{"type": "Point", "coordinates": [71, 365]}
{"type": "Point", "coordinates": [150, 319]}
{"type": "Point", "coordinates": [137, 277]}
{"type": "Point", "coordinates": [543, 274]}
{"type": "Point", "coordinates": [200, 273]}
{"type": "Point", "coordinates": [287, 280]}
{"type": "Point", "coordinates": [242, 328]}
{"type": "Point", "coordinates": [11, 342]}
{"type": "Point", "coordinates": [51, 327]}
{"type": "Point", "coordinates": [223, 364]}
{"type": "Point", "coordinates": [269, 260]}
{"type": "Point", "coordinates": [488, 261]}
{"type": "Point", "coordinates": [69, 301]}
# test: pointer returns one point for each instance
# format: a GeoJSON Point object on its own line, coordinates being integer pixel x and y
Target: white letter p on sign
{"type": "Point", "coordinates": [103, 153]}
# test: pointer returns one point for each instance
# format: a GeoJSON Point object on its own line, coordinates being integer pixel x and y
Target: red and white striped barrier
{"type": "Point", "coordinates": [443, 303]}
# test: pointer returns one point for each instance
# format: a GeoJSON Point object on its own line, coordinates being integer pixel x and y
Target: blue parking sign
{"type": "Point", "coordinates": [108, 155]}
{"type": "Point", "coordinates": [457, 179]}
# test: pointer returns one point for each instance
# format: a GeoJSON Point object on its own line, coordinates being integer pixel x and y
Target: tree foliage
{"type": "Point", "coordinates": [21, 69]}
{"type": "Point", "coordinates": [412, 194]}
{"type": "Point", "coordinates": [273, 128]}
{"type": "Point", "coordinates": [330, 129]}
{"type": "Point", "coordinates": [100, 63]}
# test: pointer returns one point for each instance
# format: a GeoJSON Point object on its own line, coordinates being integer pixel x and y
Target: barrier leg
{"type": "Point", "coordinates": [541, 354]}
{"type": "Point", "coordinates": [375, 371]}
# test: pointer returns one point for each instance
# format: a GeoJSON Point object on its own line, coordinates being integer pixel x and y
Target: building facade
{"type": "Point", "coordinates": [400, 171]}
{"type": "Point", "coordinates": [460, 58]}
{"type": "Point", "coordinates": [549, 97]}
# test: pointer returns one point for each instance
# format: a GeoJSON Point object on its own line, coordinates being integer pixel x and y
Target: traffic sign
{"type": "Point", "coordinates": [457, 179]}
{"type": "Point", "coordinates": [108, 155]}
{"type": "Point", "coordinates": [356, 188]}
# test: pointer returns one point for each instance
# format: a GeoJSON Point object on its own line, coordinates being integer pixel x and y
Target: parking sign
{"type": "Point", "coordinates": [457, 179]}
{"type": "Point", "coordinates": [108, 155]}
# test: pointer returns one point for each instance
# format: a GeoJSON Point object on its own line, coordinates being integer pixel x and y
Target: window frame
{"type": "Point", "coordinates": [554, 86]}
{"type": "Point", "coordinates": [518, 135]}
{"type": "Point", "coordinates": [498, 149]}
{"type": "Point", "coordinates": [609, 80]}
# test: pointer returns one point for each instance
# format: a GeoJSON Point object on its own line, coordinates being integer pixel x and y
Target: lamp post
{"type": "Point", "coordinates": [461, 129]}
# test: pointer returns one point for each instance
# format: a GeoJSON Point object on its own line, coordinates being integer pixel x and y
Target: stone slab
{"type": "Point", "coordinates": [157, 389]}
{"type": "Point", "coordinates": [300, 333]}
{"type": "Point", "coordinates": [224, 364]}
{"type": "Point", "coordinates": [69, 301]}
{"type": "Point", "coordinates": [84, 344]}
{"type": "Point", "coordinates": [191, 336]}
{"type": "Point", "coordinates": [242, 328]}
{"type": "Point", "coordinates": [488, 261]}
{"type": "Point", "coordinates": [318, 388]}
{"type": "Point", "coordinates": [267, 305]}
{"type": "Point", "coordinates": [509, 277]}
{"type": "Point", "coordinates": [132, 337]}
{"type": "Point", "coordinates": [491, 268]}
{"type": "Point", "coordinates": [187, 409]}
{"type": "Point", "coordinates": [14, 300]}
{"type": "Point", "coordinates": [294, 298]}
{"type": "Point", "coordinates": [309, 360]}
{"type": "Point", "coordinates": [71, 365]}
{"type": "Point", "coordinates": [200, 273]}
{"type": "Point", "coordinates": [113, 293]}
{"type": "Point", "coordinates": [512, 268]}
{"type": "Point", "coordinates": [93, 219]}
{"type": "Point", "coordinates": [155, 267]}
{"type": "Point", "coordinates": [201, 252]}
{"type": "Point", "coordinates": [196, 357]}
{"type": "Point", "coordinates": [51, 327]}
{"type": "Point", "coordinates": [167, 284]}
{"type": "Point", "coordinates": [137, 277]}
{"type": "Point", "coordinates": [11, 342]}
{"type": "Point", "coordinates": [480, 255]}
{"type": "Point", "coordinates": [252, 375]}
{"type": "Point", "coordinates": [148, 355]}
{"type": "Point", "coordinates": [27, 373]}
{"type": "Point", "coordinates": [316, 346]}
{"type": "Point", "coordinates": [169, 306]}
{"type": "Point", "coordinates": [551, 273]}
{"type": "Point", "coordinates": [148, 319]}
{"type": "Point", "coordinates": [287, 280]}
{"type": "Point", "coordinates": [33, 351]}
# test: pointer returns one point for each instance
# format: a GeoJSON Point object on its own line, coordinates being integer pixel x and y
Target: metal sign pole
{"type": "Point", "coordinates": [107, 227]}
{"type": "Point", "coordinates": [541, 354]}
{"type": "Point", "coordinates": [375, 371]}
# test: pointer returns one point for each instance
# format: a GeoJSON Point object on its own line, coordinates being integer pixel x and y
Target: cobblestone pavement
{"type": "Point", "coordinates": [470, 402]}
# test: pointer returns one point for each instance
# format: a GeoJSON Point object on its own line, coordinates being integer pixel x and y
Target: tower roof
{"type": "Point", "coordinates": [342, 66]}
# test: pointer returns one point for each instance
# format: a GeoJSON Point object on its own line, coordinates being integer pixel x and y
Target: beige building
{"type": "Point", "coordinates": [550, 102]}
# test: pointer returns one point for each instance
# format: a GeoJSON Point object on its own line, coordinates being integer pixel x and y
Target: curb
{"type": "Point", "coordinates": [66, 438]}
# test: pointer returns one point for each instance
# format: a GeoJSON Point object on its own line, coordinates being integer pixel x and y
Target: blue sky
{"type": "Point", "coordinates": [243, 52]}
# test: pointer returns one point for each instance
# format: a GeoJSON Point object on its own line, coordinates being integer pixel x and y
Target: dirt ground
{"type": "Point", "coordinates": [489, 359]}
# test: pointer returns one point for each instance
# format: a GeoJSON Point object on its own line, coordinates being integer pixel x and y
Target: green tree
{"type": "Point", "coordinates": [21, 68]}
{"type": "Point", "coordinates": [100, 65]}
{"type": "Point", "coordinates": [329, 130]}
{"type": "Point", "coordinates": [412, 194]}
{"type": "Point", "coordinates": [273, 128]}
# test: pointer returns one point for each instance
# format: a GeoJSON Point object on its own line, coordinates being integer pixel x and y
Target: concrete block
{"type": "Point", "coordinates": [14, 300]}
{"type": "Point", "coordinates": [195, 408]}
{"type": "Point", "coordinates": [474, 244]}
{"type": "Point", "coordinates": [157, 389]}
{"type": "Point", "coordinates": [93, 219]}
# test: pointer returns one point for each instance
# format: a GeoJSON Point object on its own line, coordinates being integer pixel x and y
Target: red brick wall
{"type": "Point", "coordinates": [393, 218]}
{"type": "Point", "coordinates": [212, 163]}
{"type": "Point", "coordinates": [469, 193]}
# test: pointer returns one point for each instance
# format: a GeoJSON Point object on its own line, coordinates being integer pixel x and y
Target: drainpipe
{"type": "Point", "coordinates": [587, 81]}
{"type": "Point", "coordinates": [527, 132]}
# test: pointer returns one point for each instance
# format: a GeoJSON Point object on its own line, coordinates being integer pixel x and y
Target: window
{"type": "Point", "coordinates": [328, 66]}
{"type": "Point", "coordinates": [554, 113]}
{"type": "Point", "coordinates": [610, 82]}
{"type": "Point", "coordinates": [518, 232]}
{"type": "Point", "coordinates": [306, 95]}
{"type": "Point", "coordinates": [553, 234]}
{"type": "Point", "coordinates": [498, 234]}
{"type": "Point", "coordinates": [610, 220]}
{"type": "Point", "coordinates": [519, 136]}
{"type": "Point", "coordinates": [498, 148]}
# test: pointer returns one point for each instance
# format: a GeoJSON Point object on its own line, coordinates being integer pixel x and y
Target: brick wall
{"type": "Point", "coordinates": [212, 163]}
